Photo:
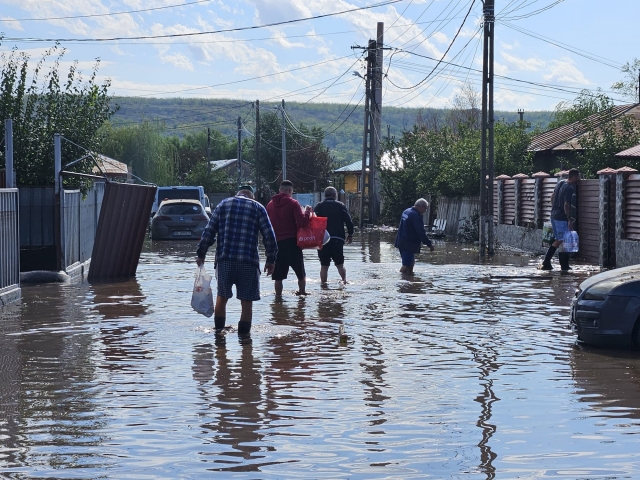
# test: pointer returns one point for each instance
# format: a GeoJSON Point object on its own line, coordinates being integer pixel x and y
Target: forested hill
{"type": "Point", "coordinates": [342, 123]}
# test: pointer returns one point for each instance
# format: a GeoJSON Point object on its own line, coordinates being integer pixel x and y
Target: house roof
{"type": "Point", "coordinates": [355, 167]}
{"type": "Point", "coordinates": [632, 152]}
{"type": "Point", "coordinates": [567, 136]}
{"type": "Point", "coordinates": [110, 166]}
{"type": "Point", "coordinates": [218, 164]}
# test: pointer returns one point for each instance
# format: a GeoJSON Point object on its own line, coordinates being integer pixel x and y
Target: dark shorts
{"type": "Point", "coordinates": [289, 255]}
{"type": "Point", "coordinates": [408, 258]}
{"type": "Point", "coordinates": [332, 251]}
{"type": "Point", "coordinates": [245, 276]}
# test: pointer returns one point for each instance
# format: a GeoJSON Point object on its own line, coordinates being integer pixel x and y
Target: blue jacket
{"type": "Point", "coordinates": [411, 233]}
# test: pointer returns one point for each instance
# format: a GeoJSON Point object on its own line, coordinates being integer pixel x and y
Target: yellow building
{"type": "Point", "coordinates": [351, 175]}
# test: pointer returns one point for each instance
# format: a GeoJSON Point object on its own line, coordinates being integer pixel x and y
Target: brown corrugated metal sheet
{"type": "Point", "coordinates": [588, 220]}
{"type": "Point", "coordinates": [557, 136]}
{"type": "Point", "coordinates": [122, 226]}
{"type": "Point", "coordinates": [548, 186]}
{"type": "Point", "coordinates": [632, 209]}
{"type": "Point", "coordinates": [527, 200]}
{"type": "Point", "coordinates": [509, 197]}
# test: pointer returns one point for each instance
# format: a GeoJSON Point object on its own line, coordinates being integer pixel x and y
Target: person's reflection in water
{"type": "Point", "coordinates": [238, 403]}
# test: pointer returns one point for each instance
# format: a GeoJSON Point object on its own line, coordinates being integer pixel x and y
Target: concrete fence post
{"type": "Point", "coordinates": [603, 209]}
{"type": "Point", "coordinates": [500, 213]}
{"type": "Point", "coordinates": [538, 219]}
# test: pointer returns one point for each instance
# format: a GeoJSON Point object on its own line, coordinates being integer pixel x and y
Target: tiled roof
{"type": "Point", "coordinates": [565, 137]}
{"type": "Point", "coordinates": [110, 166]}
{"type": "Point", "coordinates": [630, 152]}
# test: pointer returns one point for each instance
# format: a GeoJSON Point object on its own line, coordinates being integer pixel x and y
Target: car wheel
{"type": "Point", "coordinates": [635, 339]}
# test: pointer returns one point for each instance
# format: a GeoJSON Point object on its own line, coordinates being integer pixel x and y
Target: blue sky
{"type": "Point", "coordinates": [312, 60]}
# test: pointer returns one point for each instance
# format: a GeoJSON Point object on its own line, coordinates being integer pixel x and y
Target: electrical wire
{"type": "Point", "coordinates": [443, 55]}
{"type": "Point", "coordinates": [71, 17]}
{"type": "Point", "coordinates": [212, 32]}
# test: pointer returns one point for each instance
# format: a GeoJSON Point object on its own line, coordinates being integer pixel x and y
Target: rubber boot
{"type": "Point", "coordinates": [564, 261]}
{"type": "Point", "coordinates": [244, 328]}
{"type": "Point", "coordinates": [546, 263]}
{"type": "Point", "coordinates": [219, 322]}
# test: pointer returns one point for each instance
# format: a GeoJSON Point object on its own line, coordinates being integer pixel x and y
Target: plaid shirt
{"type": "Point", "coordinates": [236, 221]}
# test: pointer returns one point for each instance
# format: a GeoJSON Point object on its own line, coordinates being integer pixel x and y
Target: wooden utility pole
{"type": "Point", "coordinates": [486, 167]}
{"type": "Point", "coordinates": [257, 162]}
{"type": "Point", "coordinates": [239, 151]}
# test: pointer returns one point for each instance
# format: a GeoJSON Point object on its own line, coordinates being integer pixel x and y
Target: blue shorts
{"type": "Point", "coordinates": [560, 227]}
{"type": "Point", "coordinates": [408, 258]}
{"type": "Point", "coordinates": [245, 276]}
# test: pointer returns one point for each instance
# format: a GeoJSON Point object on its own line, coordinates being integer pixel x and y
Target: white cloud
{"type": "Point", "coordinates": [524, 64]}
{"type": "Point", "coordinates": [506, 99]}
{"type": "Point", "coordinates": [179, 60]}
{"type": "Point", "coordinates": [12, 23]}
{"type": "Point", "coordinates": [440, 37]}
{"type": "Point", "coordinates": [564, 70]}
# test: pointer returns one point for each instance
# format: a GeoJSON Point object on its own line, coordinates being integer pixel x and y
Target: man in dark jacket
{"type": "Point", "coordinates": [412, 234]}
{"type": "Point", "coordinates": [337, 217]}
{"type": "Point", "coordinates": [286, 218]}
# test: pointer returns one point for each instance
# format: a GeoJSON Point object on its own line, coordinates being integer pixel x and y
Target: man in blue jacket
{"type": "Point", "coordinates": [411, 235]}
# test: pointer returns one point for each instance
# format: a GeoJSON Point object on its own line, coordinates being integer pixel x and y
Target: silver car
{"type": "Point", "coordinates": [179, 219]}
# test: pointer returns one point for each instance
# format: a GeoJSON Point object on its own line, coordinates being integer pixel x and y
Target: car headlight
{"type": "Point", "coordinates": [599, 291]}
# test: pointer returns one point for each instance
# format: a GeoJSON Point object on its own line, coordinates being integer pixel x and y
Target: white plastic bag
{"type": "Point", "coordinates": [202, 298]}
{"type": "Point", "coordinates": [570, 243]}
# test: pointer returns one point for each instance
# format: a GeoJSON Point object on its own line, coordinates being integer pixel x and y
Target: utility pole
{"type": "Point", "coordinates": [366, 145]}
{"type": "Point", "coordinates": [521, 113]}
{"type": "Point", "coordinates": [376, 112]}
{"type": "Point", "coordinates": [208, 156]}
{"type": "Point", "coordinates": [257, 162]}
{"type": "Point", "coordinates": [284, 145]}
{"type": "Point", "coordinates": [487, 156]}
{"type": "Point", "coordinates": [239, 151]}
{"type": "Point", "coordinates": [8, 154]}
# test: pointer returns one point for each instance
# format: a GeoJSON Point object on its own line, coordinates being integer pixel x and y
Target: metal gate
{"type": "Point", "coordinates": [9, 246]}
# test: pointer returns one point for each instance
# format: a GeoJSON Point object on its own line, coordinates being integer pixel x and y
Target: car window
{"type": "Point", "coordinates": [181, 209]}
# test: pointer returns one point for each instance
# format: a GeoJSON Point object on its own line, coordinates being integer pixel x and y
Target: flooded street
{"type": "Point", "coordinates": [464, 370]}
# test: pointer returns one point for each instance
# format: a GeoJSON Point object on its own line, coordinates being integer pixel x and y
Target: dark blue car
{"type": "Point", "coordinates": [606, 309]}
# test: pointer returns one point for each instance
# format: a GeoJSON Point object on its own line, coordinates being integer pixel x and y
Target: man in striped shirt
{"type": "Point", "coordinates": [236, 222]}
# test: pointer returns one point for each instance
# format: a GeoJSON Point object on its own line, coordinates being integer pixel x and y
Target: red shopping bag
{"type": "Point", "coordinates": [313, 235]}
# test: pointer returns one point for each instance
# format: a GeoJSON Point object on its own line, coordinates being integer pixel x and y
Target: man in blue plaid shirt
{"type": "Point", "coordinates": [237, 221]}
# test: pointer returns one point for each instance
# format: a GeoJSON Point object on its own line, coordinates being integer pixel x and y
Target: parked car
{"type": "Point", "coordinates": [180, 193]}
{"type": "Point", "coordinates": [606, 309]}
{"type": "Point", "coordinates": [179, 219]}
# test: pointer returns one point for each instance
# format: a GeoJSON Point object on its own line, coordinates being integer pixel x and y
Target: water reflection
{"type": "Point", "coordinates": [237, 410]}
{"type": "Point", "coordinates": [608, 381]}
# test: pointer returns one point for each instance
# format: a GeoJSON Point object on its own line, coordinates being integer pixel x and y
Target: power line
{"type": "Point", "coordinates": [212, 32]}
{"type": "Point", "coordinates": [104, 14]}
{"type": "Point", "coordinates": [535, 12]}
{"type": "Point", "coordinates": [443, 55]}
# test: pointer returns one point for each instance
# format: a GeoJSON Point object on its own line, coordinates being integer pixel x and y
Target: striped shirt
{"type": "Point", "coordinates": [236, 222]}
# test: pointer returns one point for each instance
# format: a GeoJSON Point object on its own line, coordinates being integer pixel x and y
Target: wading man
{"type": "Point", "coordinates": [286, 217]}
{"type": "Point", "coordinates": [337, 217]}
{"type": "Point", "coordinates": [561, 219]}
{"type": "Point", "coordinates": [236, 222]}
{"type": "Point", "coordinates": [411, 235]}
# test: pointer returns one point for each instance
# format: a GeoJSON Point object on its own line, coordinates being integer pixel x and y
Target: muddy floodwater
{"type": "Point", "coordinates": [464, 370]}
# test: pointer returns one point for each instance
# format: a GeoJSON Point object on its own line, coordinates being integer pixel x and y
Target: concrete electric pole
{"type": "Point", "coordinates": [239, 151]}
{"type": "Point", "coordinates": [284, 144]}
{"type": "Point", "coordinates": [486, 168]}
{"type": "Point", "coordinates": [257, 161]}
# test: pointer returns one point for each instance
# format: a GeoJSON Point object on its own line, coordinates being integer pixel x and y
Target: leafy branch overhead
{"type": "Point", "coordinates": [46, 104]}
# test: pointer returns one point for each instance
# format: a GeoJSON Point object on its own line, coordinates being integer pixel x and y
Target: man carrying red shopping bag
{"type": "Point", "coordinates": [287, 218]}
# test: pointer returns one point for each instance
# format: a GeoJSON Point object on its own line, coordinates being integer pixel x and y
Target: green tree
{"type": "Point", "coordinates": [628, 86]}
{"type": "Point", "coordinates": [71, 106]}
{"type": "Point", "coordinates": [585, 104]}
{"type": "Point", "coordinates": [152, 156]}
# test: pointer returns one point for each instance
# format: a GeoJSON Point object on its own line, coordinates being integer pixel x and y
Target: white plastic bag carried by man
{"type": "Point", "coordinates": [202, 297]}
